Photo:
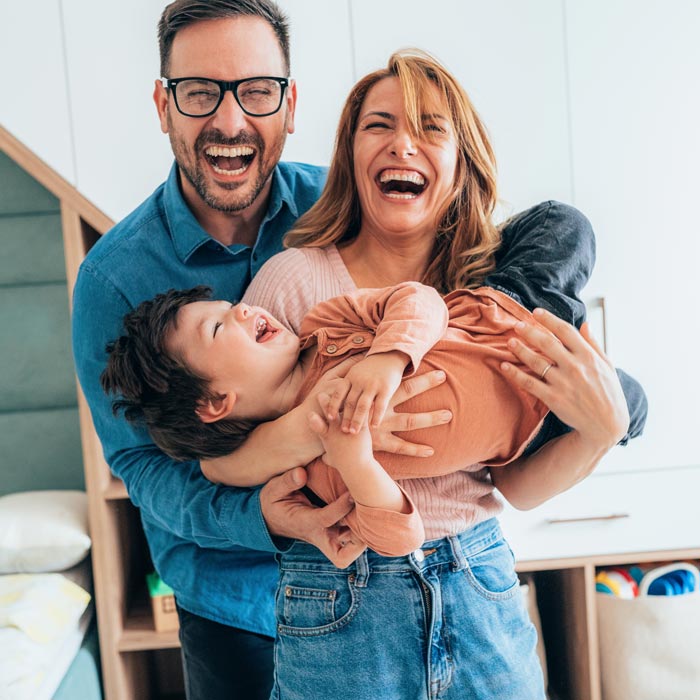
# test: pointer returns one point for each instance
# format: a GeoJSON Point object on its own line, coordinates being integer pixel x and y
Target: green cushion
{"type": "Point", "coordinates": [36, 365]}
{"type": "Point", "coordinates": [40, 450]}
{"type": "Point", "coordinates": [32, 249]}
{"type": "Point", "coordinates": [20, 193]}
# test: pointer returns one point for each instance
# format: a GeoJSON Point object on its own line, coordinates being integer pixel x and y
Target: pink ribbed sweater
{"type": "Point", "coordinates": [288, 286]}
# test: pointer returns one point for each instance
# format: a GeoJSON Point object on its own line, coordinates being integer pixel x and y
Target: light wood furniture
{"type": "Point", "coordinates": [607, 520]}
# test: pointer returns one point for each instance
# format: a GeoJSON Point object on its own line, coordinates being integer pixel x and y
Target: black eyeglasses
{"type": "Point", "coordinates": [201, 97]}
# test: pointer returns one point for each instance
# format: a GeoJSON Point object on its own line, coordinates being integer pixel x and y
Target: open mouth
{"type": "Point", "coordinates": [401, 184]}
{"type": "Point", "coordinates": [264, 330]}
{"type": "Point", "coordinates": [229, 160]}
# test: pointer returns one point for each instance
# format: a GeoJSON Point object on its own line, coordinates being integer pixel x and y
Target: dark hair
{"type": "Point", "coordinates": [181, 13]}
{"type": "Point", "coordinates": [157, 390]}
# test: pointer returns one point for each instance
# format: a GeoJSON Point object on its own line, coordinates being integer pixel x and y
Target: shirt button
{"type": "Point", "coordinates": [358, 340]}
{"type": "Point", "coordinates": [419, 556]}
{"type": "Point", "coordinates": [331, 349]}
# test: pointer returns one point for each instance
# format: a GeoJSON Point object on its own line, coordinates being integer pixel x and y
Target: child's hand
{"type": "Point", "coordinates": [366, 390]}
{"type": "Point", "coordinates": [342, 450]}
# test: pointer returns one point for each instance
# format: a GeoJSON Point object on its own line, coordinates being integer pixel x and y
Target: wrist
{"type": "Point", "coordinates": [301, 443]}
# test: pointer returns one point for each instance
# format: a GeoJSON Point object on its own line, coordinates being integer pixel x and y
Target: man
{"type": "Point", "coordinates": [221, 213]}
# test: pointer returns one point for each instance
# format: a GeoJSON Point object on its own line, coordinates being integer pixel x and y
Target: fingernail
{"type": "Point", "coordinates": [520, 325]}
{"type": "Point", "coordinates": [512, 343]}
{"type": "Point", "coordinates": [428, 452]}
{"type": "Point", "coordinates": [441, 376]}
{"type": "Point", "coordinates": [505, 366]}
{"type": "Point", "coordinates": [446, 416]}
{"type": "Point", "coordinates": [538, 312]}
{"type": "Point", "coordinates": [296, 478]}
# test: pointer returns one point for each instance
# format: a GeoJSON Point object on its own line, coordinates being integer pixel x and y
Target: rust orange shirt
{"type": "Point", "coordinates": [465, 335]}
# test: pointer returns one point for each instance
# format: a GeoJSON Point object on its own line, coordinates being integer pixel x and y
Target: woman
{"type": "Point", "coordinates": [410, 196]}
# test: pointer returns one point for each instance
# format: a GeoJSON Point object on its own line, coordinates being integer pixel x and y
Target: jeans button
{"type": "Point", "coordinates": [418, 554]}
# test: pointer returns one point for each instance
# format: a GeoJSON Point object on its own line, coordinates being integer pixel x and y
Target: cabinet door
{"type": "Point", "coordinates": [636, 147]}
{"type": "Point", "coordinates": [34, 99]}
{"type": "Point", "coordinates": [321, 63]}
{"type": "Point", "coordinates": [612, 514]}
{"type": "Point", "coordinates": [509, 56]}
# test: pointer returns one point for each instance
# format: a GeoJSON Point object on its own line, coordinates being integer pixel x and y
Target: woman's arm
{"type": "Point", "coordinates": [582, 388]}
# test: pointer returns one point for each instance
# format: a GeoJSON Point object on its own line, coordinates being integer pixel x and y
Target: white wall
{"type": "Point", "coordinates": [593, 102]}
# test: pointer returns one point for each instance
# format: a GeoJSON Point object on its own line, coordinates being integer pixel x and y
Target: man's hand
{"type": "Point", "coordinates": [288, 513]}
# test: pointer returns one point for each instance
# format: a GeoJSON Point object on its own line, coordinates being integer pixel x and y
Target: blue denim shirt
{"type": "Point", "coordinates": [209, 543]}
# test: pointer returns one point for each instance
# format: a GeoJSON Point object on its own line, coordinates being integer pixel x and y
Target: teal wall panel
{"type": "Point", "coordinates": [40, 444]}
{"type": "Point", "coordinates": [40, 450]}
{"type": "Point", "coordinates": [36, 365]}
{"type": "Point", "coordinates": [32, 249]}
{"type": "Point", "coordinates": [20, 193]}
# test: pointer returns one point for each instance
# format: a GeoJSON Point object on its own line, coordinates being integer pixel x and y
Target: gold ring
{"type": "Point", "coordinates": [546, 369]}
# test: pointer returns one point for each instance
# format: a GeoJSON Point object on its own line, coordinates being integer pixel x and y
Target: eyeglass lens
{"type": "Point", "coordinates": [258, 96]}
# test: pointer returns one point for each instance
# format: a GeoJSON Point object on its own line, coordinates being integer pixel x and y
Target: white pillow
{"type": "Point", "coordinates": [43, 531]}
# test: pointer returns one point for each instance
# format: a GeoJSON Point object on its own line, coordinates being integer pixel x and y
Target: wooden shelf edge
{"type": "Point", "coordinates": [140, 635]}
{"type": "Point", "coordinates": [607, 559]}
{"type": "Point", "coordinates": [115, 490]}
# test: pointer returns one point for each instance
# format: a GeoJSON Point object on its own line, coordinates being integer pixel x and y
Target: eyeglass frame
{"type": "Point", "coordinates": [224, 87]}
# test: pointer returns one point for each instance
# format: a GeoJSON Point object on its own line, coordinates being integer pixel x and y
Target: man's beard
{"type": "Point", "coordinates": [189, 162]}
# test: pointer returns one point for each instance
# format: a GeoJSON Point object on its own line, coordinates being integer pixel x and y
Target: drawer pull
{"type": "Point", "coordinates": [587, 519]}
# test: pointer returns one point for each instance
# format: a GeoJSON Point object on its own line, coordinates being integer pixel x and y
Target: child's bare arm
{"type": "Point", "coordinates": [352, 455]}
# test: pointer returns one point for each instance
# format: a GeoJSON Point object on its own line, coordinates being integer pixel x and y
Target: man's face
{"type": "Point", "coordinates": [227, 180]}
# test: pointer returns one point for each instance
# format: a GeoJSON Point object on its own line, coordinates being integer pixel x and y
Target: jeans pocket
{"type": "Point", "coordinates": [491, 572]}
{"type": "Point", "coordinates": [307, 605]}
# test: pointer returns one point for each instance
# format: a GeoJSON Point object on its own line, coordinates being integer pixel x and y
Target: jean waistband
{"type": "Point", "coordinates": [452, 550]}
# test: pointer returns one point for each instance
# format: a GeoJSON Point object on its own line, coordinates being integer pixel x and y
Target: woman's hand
{"type": "Point", "coordinates": [572, 376]}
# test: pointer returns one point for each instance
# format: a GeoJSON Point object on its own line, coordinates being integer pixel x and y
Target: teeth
{"type": "Point", "coordinates": [260, 327]}
{"type": "Point", "coordinates": [402, 175]}
{"type": "Point", "coordinates": [397, 195]}
{"type": "Point", "coordinates": [237, 151]}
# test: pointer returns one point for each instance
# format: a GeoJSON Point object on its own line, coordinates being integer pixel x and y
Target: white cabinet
{"type": "Point", "coordinates": [510, 57]}
{"type": "Point", "coordinates": [636, 147]}
{"type": "Point", "coordinates": [34, 102]}
{"type": "Point", "coordinates": [611, 515]}
{"type": "Point", "coordinates": [322, 65]}
{"type": "Point", "coordinates": [112, 62]}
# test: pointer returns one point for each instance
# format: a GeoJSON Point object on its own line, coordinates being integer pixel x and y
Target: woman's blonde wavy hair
{"type": "Point", "coordinates": [466, 238]}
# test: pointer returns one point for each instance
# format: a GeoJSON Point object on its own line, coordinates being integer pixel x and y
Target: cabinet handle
{"type": "Point", "coordinates": [586, 519]}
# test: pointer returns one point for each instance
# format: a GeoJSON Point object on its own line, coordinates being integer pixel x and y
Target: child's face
{"type": "Point", "coordinates": [240, 349]}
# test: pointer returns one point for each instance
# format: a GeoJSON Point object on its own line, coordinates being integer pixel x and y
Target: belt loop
{"type": "Point", "coordinates": [361, 570]}
{"type": "Point", "coordinates": [460, 561]}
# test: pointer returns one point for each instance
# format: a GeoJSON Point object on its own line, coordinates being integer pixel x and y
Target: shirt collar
{"type": "Point", "coordinates": [187, 234]}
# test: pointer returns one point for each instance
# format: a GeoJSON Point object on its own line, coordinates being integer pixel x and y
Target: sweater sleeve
{"type": "Point", "coordinates": [387, 532]}
{"type": "Point", "coordinates": [409, 317]}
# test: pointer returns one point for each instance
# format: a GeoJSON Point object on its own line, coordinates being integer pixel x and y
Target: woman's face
{"type": "Point", "coordinates": [402, 181]}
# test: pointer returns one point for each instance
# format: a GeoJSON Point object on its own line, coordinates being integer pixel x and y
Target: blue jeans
{"type": "Point", "coordinates": [447, 622]}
